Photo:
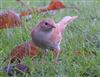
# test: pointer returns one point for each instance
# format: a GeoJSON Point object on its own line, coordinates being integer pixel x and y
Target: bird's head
{"type": "Point", "coordinates": [46, 25]}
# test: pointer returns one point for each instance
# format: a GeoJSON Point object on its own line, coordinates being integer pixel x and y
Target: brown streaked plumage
{"type": "Point", "coordinates": [12, 19]}
{"type": "Point", "coordinates": [23, 50]}
{"type": "Point", "coordinates": [56, 4]}
{"type": "Point", "coordinates": [9, 19]}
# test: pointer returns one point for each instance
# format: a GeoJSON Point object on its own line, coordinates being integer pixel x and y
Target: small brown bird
{"type": "Point", "coordinates": [48, 34]}
{"type": "Point", "coordinates": [9, 19]}
{"type": "Point", "coordinates": [20, 51]}
{"type": "Point", "coordinates": [56, 4]}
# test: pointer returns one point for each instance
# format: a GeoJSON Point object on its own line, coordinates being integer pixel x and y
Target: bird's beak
{"type": "Point", "coordinates": [52, 26]}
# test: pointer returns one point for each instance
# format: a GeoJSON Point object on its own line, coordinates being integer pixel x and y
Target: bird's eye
{"type": "Point", "coordinates": [46, 23]}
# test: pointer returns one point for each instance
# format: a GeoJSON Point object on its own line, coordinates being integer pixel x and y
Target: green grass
{"type": "Point", "coordinates": [83, 34]}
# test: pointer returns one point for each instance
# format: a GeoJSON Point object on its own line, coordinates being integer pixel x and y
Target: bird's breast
{"type": "Point", "coordinates": [41, 39]}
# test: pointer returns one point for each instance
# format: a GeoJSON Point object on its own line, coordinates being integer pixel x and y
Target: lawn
{"type": "Point", "coordinates": [82, 35]}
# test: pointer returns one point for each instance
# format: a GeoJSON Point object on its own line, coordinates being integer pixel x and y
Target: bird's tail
{"type": "Point", "coordinates": [65, 21]}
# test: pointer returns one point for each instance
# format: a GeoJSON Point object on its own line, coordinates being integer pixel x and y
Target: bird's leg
{"type": "Point", "coordinates": [56, 55]}
{"type": "Point", "coordinates": [44, 56]}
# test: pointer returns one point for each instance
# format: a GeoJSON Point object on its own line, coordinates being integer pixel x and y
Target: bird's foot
{"type": "Point", "coordinates": [57, 62]}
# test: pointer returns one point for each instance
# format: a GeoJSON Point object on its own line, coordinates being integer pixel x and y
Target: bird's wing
{"type": "Point", "coordinates": [56, 36]}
